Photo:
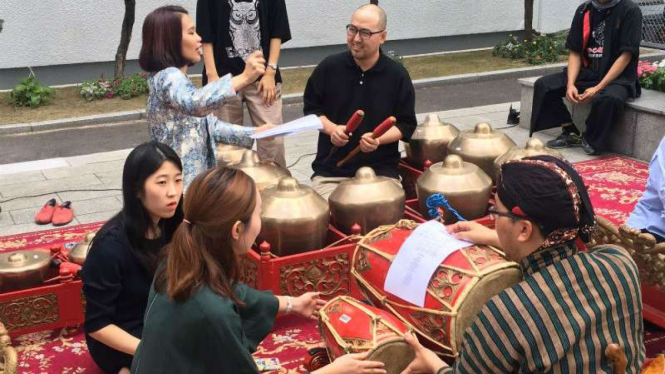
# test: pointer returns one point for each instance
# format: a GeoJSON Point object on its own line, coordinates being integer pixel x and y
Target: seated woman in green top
{"type": "Point", "coordinates": [200, 318]}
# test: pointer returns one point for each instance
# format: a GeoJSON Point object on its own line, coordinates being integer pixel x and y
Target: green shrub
{"type": "Point", "coordinates": [30, 93]}
{"type": "Point", "coordinates": [546, 48]}
{"type": "Point", "coordinates": [123, 87]}
{"type": "Point", "coordinates": [95, 90]}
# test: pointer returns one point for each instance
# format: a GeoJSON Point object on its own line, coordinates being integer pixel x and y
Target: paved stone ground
{"type": "Point", "coordinates": [103, 172]}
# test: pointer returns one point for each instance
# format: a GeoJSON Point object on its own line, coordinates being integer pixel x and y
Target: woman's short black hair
{"type": "Point", "coordinates": [162, 39]}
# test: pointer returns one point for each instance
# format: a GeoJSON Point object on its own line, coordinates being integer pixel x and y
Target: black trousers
{"type": "Point", "coordinates": [107, 358]}
{"type": "Point", "coordinates": [549, 111]}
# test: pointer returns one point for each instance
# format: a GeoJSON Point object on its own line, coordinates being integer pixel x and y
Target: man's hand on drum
{"type": "Point", "coordinates": [425, 362]}
{"type": "Point", "coordinates": [353, 363]}
{"type": "Point", "coordinates": [368, 144]}
{"type": "Point", "coordinates": [338, 136]}
{"type": "Point", "coordinates": [475, 233]}
{"type": "Point", "coordinates": [308, 304]}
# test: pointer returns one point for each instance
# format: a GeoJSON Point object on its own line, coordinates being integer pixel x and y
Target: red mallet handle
{"type": "Point", "coordinates": [384, 127]}
{"type": "Point", "coordinates": [378, 131]}
{"type": "Point", "coordinates": [354, 121]}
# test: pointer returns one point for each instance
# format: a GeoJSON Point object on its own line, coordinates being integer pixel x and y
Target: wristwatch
{"type": "Point", "coordinates": [272, 65]}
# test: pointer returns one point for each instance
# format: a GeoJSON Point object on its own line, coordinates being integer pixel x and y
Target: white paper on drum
{"type": "Point", "coordinates": [420, 255]}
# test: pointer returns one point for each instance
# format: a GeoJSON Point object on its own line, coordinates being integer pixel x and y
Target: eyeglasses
{"type": "Point", "coordinates": [495, 213]}
{"type": "Point", "coordinates": [364, 33]}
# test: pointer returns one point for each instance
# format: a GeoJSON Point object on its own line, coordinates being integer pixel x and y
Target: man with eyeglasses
{"type": "Point", "coordinates": [571, 304]}
{"type": "Point", "coordinates": [362, 78]}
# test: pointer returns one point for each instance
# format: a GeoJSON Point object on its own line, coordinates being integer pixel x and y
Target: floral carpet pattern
{"type": "Point", "coordinates": [615, 184]}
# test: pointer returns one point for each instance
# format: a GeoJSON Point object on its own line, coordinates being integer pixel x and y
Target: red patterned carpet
{"type": "Point", "coordinates": [615, 185]}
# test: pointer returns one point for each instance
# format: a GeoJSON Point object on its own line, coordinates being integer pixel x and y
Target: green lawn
{"type": "Point", "coordinates": [67, 103]}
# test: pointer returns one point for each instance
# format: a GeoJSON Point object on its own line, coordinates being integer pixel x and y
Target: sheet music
{"type": "Point", "coordinates": [310, 122]}
{"type": "Point", "coordinates": [418, 258]}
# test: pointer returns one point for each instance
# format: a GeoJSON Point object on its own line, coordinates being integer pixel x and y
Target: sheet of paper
{"type": "Point", "coordinates": [417, 260]}
{"type": "Point", "coordinates": [310, 122]}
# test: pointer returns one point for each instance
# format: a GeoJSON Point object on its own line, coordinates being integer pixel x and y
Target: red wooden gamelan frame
{"type": "Point", "coordinates": [42, 308]}
{"type": "Point", "coordinates": [326, 270]}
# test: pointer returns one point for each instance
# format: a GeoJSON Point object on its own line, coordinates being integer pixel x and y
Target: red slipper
{"type": "Point", "coordinates": [45, 215]}
{"type": "Point", "coordinates": [63, 214]}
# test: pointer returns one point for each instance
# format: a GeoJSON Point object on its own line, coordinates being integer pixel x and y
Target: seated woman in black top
{"type": "Point", "coordinates": [120, 266]}
{"type": "Point", "coordinates": [200, 318]}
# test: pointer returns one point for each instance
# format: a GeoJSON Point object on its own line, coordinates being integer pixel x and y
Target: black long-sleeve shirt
{"type": "Point", "coordinates": [337, 88]}
{"type": "Point", "coordinates": [116, 287]}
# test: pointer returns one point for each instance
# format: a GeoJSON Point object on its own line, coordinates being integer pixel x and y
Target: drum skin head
{"type": "Point", "coordinates": [487, 287]}
{"type": "Point", "coordinates": [395, 354]}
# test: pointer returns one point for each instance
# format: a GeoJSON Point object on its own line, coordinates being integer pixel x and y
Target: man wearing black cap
{"type": "Point", "coordinates": [570, 306]}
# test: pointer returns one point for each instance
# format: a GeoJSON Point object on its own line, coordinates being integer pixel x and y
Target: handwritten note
{"type": "Point", "coordinates": [420, 255]}
{"type": "Point", "coordinates": [306, 123]}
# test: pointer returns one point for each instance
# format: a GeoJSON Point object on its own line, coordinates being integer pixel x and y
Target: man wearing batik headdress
{"type": "Point", "coordinates": [571, 304]}
{"type": "Point", "coordinates": [604, 43]}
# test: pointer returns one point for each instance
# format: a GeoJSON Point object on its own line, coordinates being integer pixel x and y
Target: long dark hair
{"type": "Point", "coordinates": [162, 39]}
{"type": "Point", "coordinates": [141, 163]}
{"type": "Point", "coordinates": [201, 252]}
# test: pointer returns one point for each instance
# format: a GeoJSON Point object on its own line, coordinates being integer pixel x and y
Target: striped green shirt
{"type": "Point", "coordinates": [570, 306]}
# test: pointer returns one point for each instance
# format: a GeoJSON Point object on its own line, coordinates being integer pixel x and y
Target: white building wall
{"type": "Point", "coordinates": [55, 32]}
{"type": "Point", "coordinates": [554, 15]}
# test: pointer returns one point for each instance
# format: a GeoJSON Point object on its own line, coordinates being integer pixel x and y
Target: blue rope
{"type": "Point", "coordinates": [436, 201]}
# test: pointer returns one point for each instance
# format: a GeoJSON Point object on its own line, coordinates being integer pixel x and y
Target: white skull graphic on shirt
{"type": "Point", "coordinates": [244, 28]}
{"type": "Point", "coordinates": [598, 35]}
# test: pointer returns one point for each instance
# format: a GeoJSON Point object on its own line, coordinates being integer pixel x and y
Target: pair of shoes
{"type": "Point", "coordinates": [565, 140]}
{"type": "Point", "coordinates": [58, 214]}
{"type": "Point", "coordinates": [588, 149]}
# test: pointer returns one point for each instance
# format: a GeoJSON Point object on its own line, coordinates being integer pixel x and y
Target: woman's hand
{"type": "Point", "coordinates": [474, 232]}
{"type": "Point", "coordinates": [308, 304]}
{"type": "Point", "coordinates": [353, 363]}
{"type": "Point", "coordinates": [263, 128]}
{"type": "Point", "coordinates": [425, 362]}
{"type": "Point", "coordinates": [255, 66]}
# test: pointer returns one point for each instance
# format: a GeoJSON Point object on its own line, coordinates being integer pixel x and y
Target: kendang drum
{"type": "Point", "coordinates": [457, 291]}
{"type": "Point", "coordinates": [349, 326]}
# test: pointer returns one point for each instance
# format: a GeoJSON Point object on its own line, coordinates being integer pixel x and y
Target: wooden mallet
{"type": "Point", "coordinates": [351, 126]}
{"type": "Point", "coordinates": [378, 131]}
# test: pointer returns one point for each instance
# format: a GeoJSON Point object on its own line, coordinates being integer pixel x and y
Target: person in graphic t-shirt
{"type": "Point", "coordinates": [231, 30]}
{"type": "Point", "coordinates": [604, 44]}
